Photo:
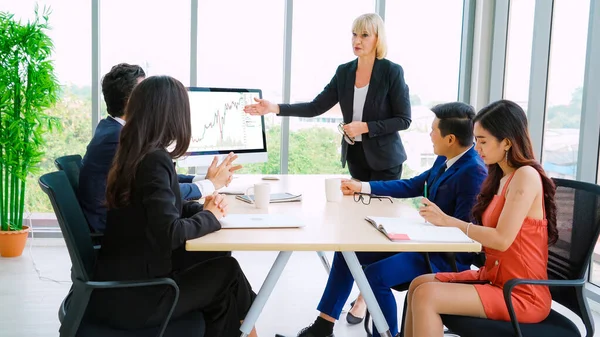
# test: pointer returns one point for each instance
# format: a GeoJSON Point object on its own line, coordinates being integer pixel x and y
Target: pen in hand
{"type": "Point", "coordinates": [425, 194]}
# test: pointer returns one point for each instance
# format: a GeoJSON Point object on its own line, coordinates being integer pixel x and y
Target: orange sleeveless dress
{"type": "Point", "coordinates": [527, 258]}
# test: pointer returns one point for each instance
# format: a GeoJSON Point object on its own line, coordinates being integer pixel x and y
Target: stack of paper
{"type": "Point", "coordinates": [275, 198]}
{"type": "Point", "coordinates": [402, 229]}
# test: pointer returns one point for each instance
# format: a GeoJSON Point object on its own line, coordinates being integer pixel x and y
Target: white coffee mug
{"type": "Point", "coordinates": [262, 194]}
{"type": "Point", "coordinates": [333, 189]}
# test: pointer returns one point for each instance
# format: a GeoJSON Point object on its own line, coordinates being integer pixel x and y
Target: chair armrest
{"type": "Point", "coordinates": [133, 284]}
{"type": "Point", "coordinates": [137, 284]}
{"type": "Point", "coordinates": [511, 284]}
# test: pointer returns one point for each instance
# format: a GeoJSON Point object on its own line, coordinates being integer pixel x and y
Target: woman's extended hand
{"type": "Point", "coordinates": [356, 129]}
{"type": "Point", "coordinates": [433, 214]}
{"type": "Point", "coordinates": [262, 107]}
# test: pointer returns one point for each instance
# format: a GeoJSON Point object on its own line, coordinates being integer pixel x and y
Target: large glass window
{"type": "Point", "coordinates": [518, 51]}
{"type": "Point", "coordinates": [426, 43]}
{"type": "Point", "coordinates": [565, 81]}
{"type": "Point", "coordinates": [322, 40]}
{"type": "Point", "coordinates": [154, 35]}
{"type": "Point", "coordinates": [70, 28]}
{"type": "Point", "coordinates": [234, 52]}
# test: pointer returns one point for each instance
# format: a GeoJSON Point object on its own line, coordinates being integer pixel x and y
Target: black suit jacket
{"type": "Point", "coordinates": [94, 171]}
{"type": "Point", "coordinates": [97, 161]}
{"type": "Point", "coordinates": [386, 110]}
{"type": "Point", "coordinates": [140, 238]}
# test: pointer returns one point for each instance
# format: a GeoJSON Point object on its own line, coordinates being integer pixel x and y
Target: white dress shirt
{"type": "Point", "coordinates": [360, 96]}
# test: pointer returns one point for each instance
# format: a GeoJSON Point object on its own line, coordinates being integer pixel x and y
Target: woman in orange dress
{"type": "Point", "coordinates": [518, 215]}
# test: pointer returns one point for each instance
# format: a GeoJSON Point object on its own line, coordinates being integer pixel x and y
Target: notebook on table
{"type": "Point", "coordinates": [407, 229]}
{"type": "Point", "coordinates": [260, 221]}
{"type": "Point", "coordinates": [275, 197]}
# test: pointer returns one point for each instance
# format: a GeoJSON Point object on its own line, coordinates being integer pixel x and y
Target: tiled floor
{"type": "Point", "coordinates": [29, 302]}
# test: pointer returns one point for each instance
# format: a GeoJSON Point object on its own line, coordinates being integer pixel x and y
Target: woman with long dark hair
{"type": "Point", "coordinates": [517, 213]}
{"type": "Point", "coordinates": [147, 222]}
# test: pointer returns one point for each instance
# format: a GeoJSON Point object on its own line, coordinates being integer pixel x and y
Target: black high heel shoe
{"type": "Point", "coordinates": [351, 319]}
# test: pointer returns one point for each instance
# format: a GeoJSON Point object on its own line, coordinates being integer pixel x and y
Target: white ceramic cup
{"type": "Point", "coordinates": [262, 194]}
{"type": "Point", "coordinates": [333, 189]}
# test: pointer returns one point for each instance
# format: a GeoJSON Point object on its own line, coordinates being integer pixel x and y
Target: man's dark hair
{"type": "Point", "coordinates": [456, 118]}
{"type": "Point", "coordinates": [117, 85]}
{"type": "Point", "coordinates": [158, 115]}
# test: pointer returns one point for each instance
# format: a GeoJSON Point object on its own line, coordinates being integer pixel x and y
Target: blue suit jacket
{"type": "Point", "coordinates": [454, 192]}
{"type": "Point", "coordinates": [96, 163]}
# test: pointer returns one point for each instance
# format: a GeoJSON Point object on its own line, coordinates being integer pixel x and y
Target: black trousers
{"type": "Point", "coordinates": [182, 259]}
{"type": "Point", "coordinates": [359, 169]}
{"type": "Point", "coordinates": [218, 288]}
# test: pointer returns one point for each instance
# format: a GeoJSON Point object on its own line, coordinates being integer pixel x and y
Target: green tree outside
{"type": "Point", "coordinates": [566, 116]}
{"type": "Point", "coordinates": [74, 113]}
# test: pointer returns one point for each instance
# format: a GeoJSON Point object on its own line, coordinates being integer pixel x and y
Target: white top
{"type": "Point", "coordinates": [360, 95]}
{"type": "Point", "coordinates": [366, 187]}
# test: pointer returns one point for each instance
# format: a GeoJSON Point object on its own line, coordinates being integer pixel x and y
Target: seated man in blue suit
{"type": "Point", "coordinates": [453, 182]}
{"type": "Point", "coordinates": [116, 88]}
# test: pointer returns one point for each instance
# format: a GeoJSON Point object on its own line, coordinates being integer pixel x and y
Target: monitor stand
{"type": "Point", "coordinates": [198, 170]}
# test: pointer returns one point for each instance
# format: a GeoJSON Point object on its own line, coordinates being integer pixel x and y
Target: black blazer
{"type": "Point", "coordinates": [386, 110]}
{"type": "Point", "coordinates": [94, 171]}
{"type": "Point", "coordinates": [140, 238]}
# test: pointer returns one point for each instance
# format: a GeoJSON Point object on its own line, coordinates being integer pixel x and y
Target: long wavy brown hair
{"type": "Point", "coordinates": [506, 120]}
{"type": "Point", "coordinates": [158, 114]}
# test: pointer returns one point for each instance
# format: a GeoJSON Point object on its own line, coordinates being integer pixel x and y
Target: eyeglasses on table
{"type": "Point", "coordinates": [366, 198]}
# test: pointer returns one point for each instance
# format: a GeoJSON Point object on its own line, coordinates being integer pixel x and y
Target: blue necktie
{"type": "Point", "coordinates": [437, 176]}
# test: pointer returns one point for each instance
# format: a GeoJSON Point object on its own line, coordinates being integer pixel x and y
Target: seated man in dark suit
{"type": "Point", "coordinates": [116, 88]}
{"type": "Point", "coordinates": [453, 182]}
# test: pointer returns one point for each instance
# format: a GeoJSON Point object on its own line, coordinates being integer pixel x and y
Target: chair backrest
{"type": "Point", "coordinates": [72, 222]}
{"type": "Point", "coordinates": [578, 223]}
{"type": "Point", "coordinates": [71, 165]}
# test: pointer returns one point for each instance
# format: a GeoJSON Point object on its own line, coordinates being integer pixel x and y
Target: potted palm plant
{"type": "Point", "coordinates": [28, 87]}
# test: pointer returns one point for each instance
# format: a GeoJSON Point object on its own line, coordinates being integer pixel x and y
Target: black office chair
{"type": "Point", "coordinates": [451, 257]}
{"type": "Point", "coordinates": [77, 238]}
{"type": "Point", "coordinates": [578, 220]}
{"type": "Point", "coordinates": [71, 165]}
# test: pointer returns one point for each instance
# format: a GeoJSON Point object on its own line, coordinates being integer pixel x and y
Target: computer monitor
{"type": "Point", "coordinates": [220, 126]}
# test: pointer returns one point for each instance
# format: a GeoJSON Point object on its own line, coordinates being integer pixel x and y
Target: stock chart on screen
{"type": "Point", "coordinates": [220, 124]}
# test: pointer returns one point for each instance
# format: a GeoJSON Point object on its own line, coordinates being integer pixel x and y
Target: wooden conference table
{"type": "Point", "coordinates": [329, 226]}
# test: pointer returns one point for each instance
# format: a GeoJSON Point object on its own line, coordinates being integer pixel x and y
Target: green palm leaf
{"type": "Point", "coordinates": [28, 87]}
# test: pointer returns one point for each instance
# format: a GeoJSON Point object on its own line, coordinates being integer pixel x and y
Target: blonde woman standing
{"type": "Point", "coordinates": [374, 101]}
{"type": "Point", "coordinates": [375, 104]}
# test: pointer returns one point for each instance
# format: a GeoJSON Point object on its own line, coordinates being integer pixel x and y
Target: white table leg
{"type": "Point", "coordinates": [324, 261]}
{"type": "Point", "coordinates": [367, 293]}
{"type": "Point", "coordinates": [264, 292]}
